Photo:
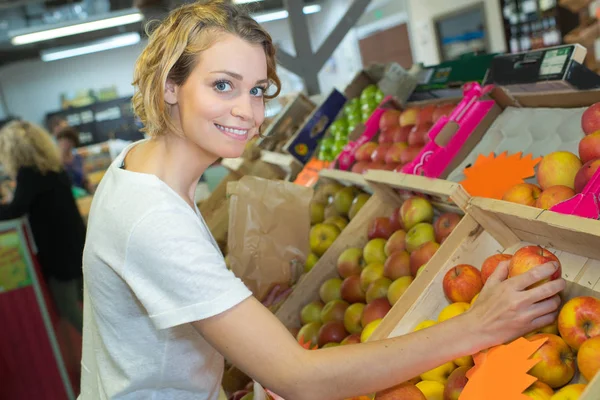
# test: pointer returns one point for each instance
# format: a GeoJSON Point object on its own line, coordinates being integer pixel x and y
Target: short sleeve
{"type": "Point", "coordinates": [176, 271]}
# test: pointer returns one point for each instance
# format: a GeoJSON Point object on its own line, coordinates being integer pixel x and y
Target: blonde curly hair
{"type": "Point", "coordinates": [24, 144]}
{"type": "Point", "coordinates": [173, 49]}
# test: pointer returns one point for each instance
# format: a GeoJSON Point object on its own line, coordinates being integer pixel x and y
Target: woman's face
{"type": "Point", "coordinates": [220, 106]}
{"type": "Point", "coordinates": [65, 146]}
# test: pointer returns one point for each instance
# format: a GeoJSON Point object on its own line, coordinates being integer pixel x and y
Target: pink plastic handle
{"type": "Point", "coordinates": [584, 204]}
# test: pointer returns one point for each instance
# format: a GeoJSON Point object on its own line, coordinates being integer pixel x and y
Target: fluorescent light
{"type": "Point", "coordinates": [127, 39]}
{"type": "Point", "coordinates": [69, 30]}
{"type": "Point", "coordinates": [277, 15]}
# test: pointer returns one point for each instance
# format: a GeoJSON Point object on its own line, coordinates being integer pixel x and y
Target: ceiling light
{"type": "Point", "coordinates": [127, 39]}
{"type": "Point", "coordinates": [20, 38]}
{"type": "Point", "coordinates": [277, 15]}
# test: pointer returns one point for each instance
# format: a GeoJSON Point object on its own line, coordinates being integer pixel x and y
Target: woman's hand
{"type": "Point", "coordinates": [506, 309]}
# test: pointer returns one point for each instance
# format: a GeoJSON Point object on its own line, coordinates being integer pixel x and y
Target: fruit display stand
{"type": "Point", "coordinates": [491, 227]}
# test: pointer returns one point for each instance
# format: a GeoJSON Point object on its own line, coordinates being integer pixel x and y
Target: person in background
{"type": "Point", "coordinates": [67, 140]}
{"type": "Point", "coordinates": [43, 194]}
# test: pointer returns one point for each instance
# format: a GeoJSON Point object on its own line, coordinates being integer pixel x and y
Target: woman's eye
{"type": "Point", "coordinates": [223, 86]}
{"type": "Point", "coordinates": [257, 91]}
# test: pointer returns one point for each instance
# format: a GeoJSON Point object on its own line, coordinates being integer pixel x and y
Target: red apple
{"type": "Point", "coordinates": [376, 309]}
{"type": "Point", "coordinates": [444, 225]}
{"type": "Point", "coordinates": [397, 265]}
{"type": "Point", "coordinates": [590, 120]}
{"type": "Point", "coordinates": [422, 255]}
{"type": "Point", "coordinates": [390, 167]}
{"type": "Point", "coordinates": [530, 257]}
{"type": "Point", "coordinates": [394, 153]}
{"type": "Point", "coordinates": [555, 361]}
{"type": "Point", "coordinates": [376, 165]}
{"type": "Point", "coordinates": [489, 265]}
{"type": "Point", "coordinates": [396, 220]}
{"type": "Point", "coordinates": [456, 383]}
{"type": "Point", "coordinates": [399, 168]}
{"type": "Point", "coordinates": [360, 167]}
{"type": "Point", "coordinates": [389, 119]}
{"type": "Point", "coordinates": [351, 339]}
{"type": "Point", "coordinates": [554, 195]}
{"type": "Point", "coordinates": [589, 147]}
{"type": "Point", "coordinates": [364, 152]}
{"type": "Point", "coordinates": [579, 320]}
{"type": "Point", "coordinates": [426, 115]}
{"type": "Point", "coordinates": [462, 283]}
{"type": "Point", "coordinates": [409, 116]}
{"type": "Point", "coordinates": [349, 262]}
{"type": "Point", "coordinates": [386, 136]}
{"type": "Point", "coordinates": [523, 193]}
{"type": "Point", "coordinates": [409, 154]}
{"type": "Point", "coordinates": [585, 173]}
{"type": "Point", "coordinates": [352, 291]}
{"type": "Point", "coordinates": [404, 391]}
{"type": "Point", "coordinates": [443, 110]}
{"type": "Point", "coordinates": [332, 332]}
{"type": "Point", "coordinates": [378, 156]}
{"type": "Point", "coordinates": [334, 311]}
{"type": "Point", "coordinates": [588, 358]}
{"type": "Point", "coordinates": [396, 242]}
{"type": "Point", "coordinates": [401, 134]}
{"type": "Point", "coordinates": [380, 228]}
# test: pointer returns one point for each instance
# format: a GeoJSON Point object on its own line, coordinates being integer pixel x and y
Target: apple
{"type": "Point", "coordinates": [397, 265]}
{"type": "Point", "coordinates": [579, 320]}
{"type": "Point", "coordinates": [556, 361]}
{"type": "Point", "coordinates": [466, 361]}
{"type": "Point", "coordinates": [416, 135]}
{"type": "Point", "coordinates": [554, 195]}
{"type": "Point", "coordinates": [380, 227]}
{"type": "Point", "coordinates": [403, 391]}
{"type": "Point", "coordinates": [353, 316]}
{"type": "Point", "coordinates": [426, 115]}
{"type": "Point", "coordinates": [539, 391]}
{"type": "Point", "coordinates": [394, 153]}
{"type": "Point", "coordinates": [311, 312]}
{"type": "Point", "coordinates": [360, 167]}
{"type": "Point", "coordinates": [338, 220]}
{"type": "Point", "coordinates": [462, 283]}
{"type": "Point", "coordinates": [530, 257]}
{"type": "Point", "coordinates": [421, 256]}
{"type": "Point", "coordinates": [359, 201]}
{"type": "Point", "coordinates": [443, 110]}
{"type": "Point", "coordinates": [317, 212]}
{"type": "Point", "coordinates": [452, 311]}
{"type": "Point", "coordinates": [585, 174]}
{"type": "Point", "coordinates": [364, 152]}
{"type": "Point", "coordinates": [389, 119]}
{"type": "Point", "coordinates": [374, 251]}
{"type": "Point", "coordinates": [334, 311]}
{"type": "Point", "coordinates": [569, 392]}
{"type": "Point", "coordinates": [558, 168]}
{"type": "Point", "coordinates": [351, 339]}
{"type": "Point", "coordinates": [396, 242]}
{"type": "Point", "coordinates": [589, 147]}
{"type": "Point", "coordinates": [399, 168]}
{"type": "Point", "coordinates": [523, 193]}
{"type": "Point", "coordinates": [409, 116]}
{"type": "Point", "coordinates": [369, 274]}
{"type": "Point", "coordinates": [378, 289]}
{"type": "Point", "coordinates": [330, 290]}
{"type": "Point", "coordinates": [332, 332]}
{"type": "Point", "coordinates": [322, 237]}
{"type": "Point", "coordinates": [239, 395]}
{"type": "Point", "coordinates": [409, 154]}
{"type": "Point", "coordinates": [489, 265]}
{"type": "Point", "coordinates": [439, 374]}
{"type": "Point", "coordinates": [377, 309]}
{"type": "Point", "coordinates": [419, 234]}
{"type": "Point", "coordinates": [424, 324]}
{"type": "Point", "coordinates": [401, 134]}
{"type": "Point", "coordinates": [421, 269]}
{"type": "Point", "coordinates": [343, 200]}
{"type": "Point", "coordinates": [414, 210]}
{"type": "Point", "coordinates": [386, 137]}
{"type": "Point", "coordinates": [456, 383]}
{"type": "Point", "coordinates": [378, 155]}
{"type": "Point", "coordinates": [351, 290]}
{"type": "Point", "coordinates": [590, 120]}
{"type": "Point", "coordinates": [588, 358]}
{"type": "Point", "coordinates": [444, 225]}
{"type": "Point", "coordinates": [396, 220]}
{"type": "Point", "coordinates": [397, 288]}
{"type": "Point", "coordinates": [349, 262]}
{"type": "Point", "coordinates": [310, 333]}
{"type": "Point", "coordinates": [369, 329]}
{"type": "Point", "coordinates": [431, 389]}
{"type": "Point", "coordinates": [311, 260]}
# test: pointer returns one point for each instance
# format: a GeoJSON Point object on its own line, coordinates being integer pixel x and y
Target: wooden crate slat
{"type": "Point", "coordinates": [345, 177]}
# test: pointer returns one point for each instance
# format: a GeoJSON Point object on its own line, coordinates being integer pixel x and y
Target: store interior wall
{"type": "Point", "coordinates": [423, 12]}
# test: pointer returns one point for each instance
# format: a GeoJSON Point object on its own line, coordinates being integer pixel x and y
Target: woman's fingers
{"type": "Point", "coordinates": [544, 307]}
{"type": "Point", "coordinates": [545, 290]}
{"type": "Point", "coordinates": [533, 276]}
{"type": "Point", "coordinates": [500, 273]}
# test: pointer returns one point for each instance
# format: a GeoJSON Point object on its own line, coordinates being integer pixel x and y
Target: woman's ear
{"type": "Point", "coordinates": [171, 91]}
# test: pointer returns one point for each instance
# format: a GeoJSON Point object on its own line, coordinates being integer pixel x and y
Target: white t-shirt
{"type": "Point", "coordinates": [150, 266]}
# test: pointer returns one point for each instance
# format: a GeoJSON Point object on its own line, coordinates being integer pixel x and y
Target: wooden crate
{"type": "Point", "coordinates": [381, 204]}
{"type": "Point", "coordinates": [492, 226]}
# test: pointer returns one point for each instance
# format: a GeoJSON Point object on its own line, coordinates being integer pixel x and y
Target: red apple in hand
{"type": "Point", "coordinates": [489, 265]}
{"type": "Point", "coordinates": [462, 283]}
{"type": "Point", "coordinates": [444, 226]}
{"type": "Point", "coordinates": [380, 228]}
{"type": "Point", "coordinates": [530, 257]}
{"type": "Point", "coordinates": [579, 320]}
{"type": "Point", "coordinates": [364, 152]}
{"type": "Point", "coordinates": [590, 120]}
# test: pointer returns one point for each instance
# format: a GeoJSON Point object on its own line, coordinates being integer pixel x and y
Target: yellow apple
{"type": "Point", "coordinates": [588, 358]}
{"type": "Point", "coordinates": [569, 392]}
{"type": "Point", "coordinates": [425, 324]}
{"type": "Point", "coordinates": [368, 330]}
{"type": "Point", "coordinates": [432, 390]}
{"type": "Point", "coordinates": [397, 288]}
{"type": "Point", "coordinates": [439, 374]}
{"type": "Point", "coordinates": [539, 391]}
{"type": "Point", "coordinates": [556, 366]}
{"type": "Point", "coordinates": [322, 236]}
{"type": "Point", "coordinates": [466, 361]}
{"type": "Point", "coordinates": [474, 298]}
{"type": "Point", "coordinates": [453, 310]}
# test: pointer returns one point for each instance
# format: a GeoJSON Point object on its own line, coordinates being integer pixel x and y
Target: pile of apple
{"type": "Point", "coordinates": [373, 278]}
{"type": "Point", "coordinates": [573, 339]}
{"type": "Point", "coordinates": [332, 207]}
{"type": "Point", "coordinates": [562, 174]}
{"type": "Point", "coordinates": [402, 135]}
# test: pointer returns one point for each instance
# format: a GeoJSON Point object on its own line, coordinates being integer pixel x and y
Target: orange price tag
{"type": "Point", "coordinates": [310, 173]}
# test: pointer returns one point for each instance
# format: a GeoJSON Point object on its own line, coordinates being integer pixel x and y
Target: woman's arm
{"type": "Point", "coordinates": [254, 340]}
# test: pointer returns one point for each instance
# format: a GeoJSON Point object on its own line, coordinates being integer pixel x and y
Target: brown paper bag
{"type": "Point", "coordinates": [268, 240]}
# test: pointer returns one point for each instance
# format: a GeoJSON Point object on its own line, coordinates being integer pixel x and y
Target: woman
{"type": "Point", "coordinates": [161, 308]}
{"type": "Point", "coordinates": [68, 140]}
{"type": "Point", "coordinates": [43, 193]}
